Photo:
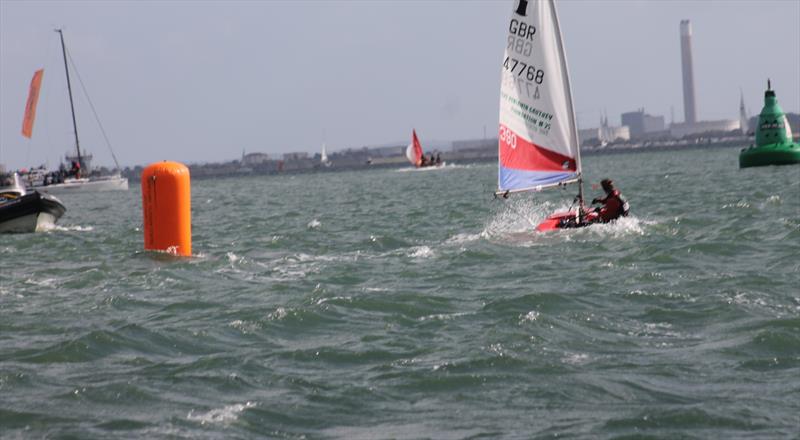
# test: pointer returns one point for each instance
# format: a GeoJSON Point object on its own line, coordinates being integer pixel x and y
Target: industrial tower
{"type": "Point", "coordinates": [689, 106]}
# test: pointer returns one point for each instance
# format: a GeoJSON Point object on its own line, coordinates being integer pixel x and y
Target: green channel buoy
{"type": "Point", "coordinates": [774, 144]}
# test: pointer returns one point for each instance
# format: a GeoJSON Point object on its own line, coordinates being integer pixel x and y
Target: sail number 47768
{"type": "Point", "coordinates": [530, 72]}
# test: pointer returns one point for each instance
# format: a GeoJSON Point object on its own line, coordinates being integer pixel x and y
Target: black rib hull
{"type": "Point", "coordinates": [30, 213]}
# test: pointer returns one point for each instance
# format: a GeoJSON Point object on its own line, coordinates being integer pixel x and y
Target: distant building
{"type": "Point", "coordinates": [394, 150]}
{"type": "Point", "coordinates": [611, 134]}
{"type": "Point", "coordinates": [475, 145]}
{"type": "Point", "coordinates": [254, 158]}
{"type": "Point", "coordinates": [641, 124]}
{"type": "Point", "coordinates": [687, 129]}
{"type": "Point", "coordinates": [295, 156]}
{"type": "Point", "coordinates": [604, 134]}
{"type": "Point", "coordinates": [589, 136]}
{"type": "Point", "coordinates": [616, 133]}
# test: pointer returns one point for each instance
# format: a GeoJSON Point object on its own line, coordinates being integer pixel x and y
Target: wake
{"type": "Point", "coordinates": [516, 221]}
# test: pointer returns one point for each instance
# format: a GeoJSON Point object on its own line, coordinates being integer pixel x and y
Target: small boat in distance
{"type": "Point", "coordinates": [538, 139]}
{"type": "Point", "coordinates": [324, 157]}
{"type": "Point", "coordinates": [79, 177]}
{"type": "Point", "coordinates": [23, 211]}
{"type": "Point", "coordinates": [418, 158]}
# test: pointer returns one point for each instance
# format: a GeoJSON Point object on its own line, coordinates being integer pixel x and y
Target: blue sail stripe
{"type": "Point", "coordinates": [510, 179]}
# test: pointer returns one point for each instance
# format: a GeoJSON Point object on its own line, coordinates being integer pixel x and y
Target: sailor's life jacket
{"type": "Point", "coordinates": [614, 207]}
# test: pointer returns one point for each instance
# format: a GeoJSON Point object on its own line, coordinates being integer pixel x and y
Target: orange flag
{"type": "Point", "coordinates": [30, 107]}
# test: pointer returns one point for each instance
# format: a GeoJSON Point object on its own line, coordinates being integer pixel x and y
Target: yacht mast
{"type": "Point", "coordinates": [71, 104]}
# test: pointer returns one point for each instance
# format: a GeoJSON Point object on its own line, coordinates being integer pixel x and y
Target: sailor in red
{"type": "Point", "coordinates": [614, 205]}
{"type": "Point", "coordinates": [76, 169]}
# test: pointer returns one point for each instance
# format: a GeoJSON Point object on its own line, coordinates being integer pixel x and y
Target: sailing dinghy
{"type": "Point", "coordinates": [415, 155]}
{"type": "Point", "coordinates": [538, 139]}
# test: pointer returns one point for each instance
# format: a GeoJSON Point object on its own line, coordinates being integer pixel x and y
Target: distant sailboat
{"type": "Point", "coordinates": [743, 119]}
{"type": "Point", "coordinates": [414, 150]}
{"type": "Point", "coordinates": [76, 182]}
{"type": "Point", "coordinates": [324, 157]}
{"type": "Point", "coordinates": [417, 157]}
{"type": "Point", "coordinates": [538, 140]}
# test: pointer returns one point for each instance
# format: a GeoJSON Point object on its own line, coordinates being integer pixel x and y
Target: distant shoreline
{"type": "Point", "coordinates": [483, 155]}
{"type": "Point", "coordinates": [728, 143]}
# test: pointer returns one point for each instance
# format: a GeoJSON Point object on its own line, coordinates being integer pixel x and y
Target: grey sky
{"type": "Point", "coordinates": [199, 81]}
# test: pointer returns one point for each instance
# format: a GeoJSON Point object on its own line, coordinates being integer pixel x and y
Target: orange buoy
{"type": "Point", "coordinates": [166, 201]}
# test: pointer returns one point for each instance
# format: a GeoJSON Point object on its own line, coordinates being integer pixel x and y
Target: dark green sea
{"type": "Point", "coordinates": [391, 304]}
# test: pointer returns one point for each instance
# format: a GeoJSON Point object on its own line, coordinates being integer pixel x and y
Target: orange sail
{"type": "Point", "coordinates": [30, 107]}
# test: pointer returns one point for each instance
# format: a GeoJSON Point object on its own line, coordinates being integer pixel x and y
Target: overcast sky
{"type": "Point", "coordinates": [200, 81]}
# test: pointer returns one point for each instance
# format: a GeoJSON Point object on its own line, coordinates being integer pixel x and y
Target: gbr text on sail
{"type": "Point", "coordinates": [519, 70]}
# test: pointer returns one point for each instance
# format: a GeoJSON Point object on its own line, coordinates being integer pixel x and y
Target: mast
{"type": "Point", "coordinates": [574, 125]}
{"type": "Point", "coordinates": [71, 104]}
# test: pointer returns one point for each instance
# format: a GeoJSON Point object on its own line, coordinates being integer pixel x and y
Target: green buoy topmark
{"type": "Point", "coordinates": [774, 144]}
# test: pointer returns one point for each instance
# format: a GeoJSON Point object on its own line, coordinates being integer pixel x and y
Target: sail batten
{"type": "Point", "coordinates": [538, 136]}
{"type": "Point", "coordinates": [560, 183]}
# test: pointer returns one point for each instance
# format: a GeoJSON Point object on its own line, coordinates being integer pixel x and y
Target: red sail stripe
{"type": "Point", "coordinates": [417, 148]}
{"type": "Point", "coordinates": [529, 156]}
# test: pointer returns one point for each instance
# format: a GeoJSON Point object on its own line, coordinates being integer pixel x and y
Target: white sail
{"type": "Point", "coordinates": [324, 155]}
{"type": "Point", "coordinates": [410, 155]}
{"type": "Point", "coordinates": [538, 139]}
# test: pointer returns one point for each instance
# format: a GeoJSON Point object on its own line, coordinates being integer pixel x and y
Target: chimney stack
{"type": "Point", "coordinates": [689, 106]}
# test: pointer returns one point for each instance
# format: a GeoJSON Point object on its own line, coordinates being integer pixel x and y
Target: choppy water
{"type": "Point", "coordinates": [386, 304]}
